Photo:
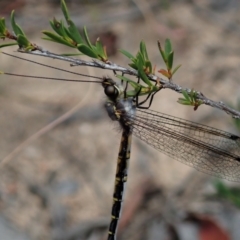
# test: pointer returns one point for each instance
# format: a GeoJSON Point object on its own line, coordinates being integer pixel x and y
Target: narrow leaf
{"type": "Point", "coordinates": [184, 102]}
{"type": "Point", "coordinates": [143, 76]}
{"type": "Point", "coordinates": [140, 60]}
{"type": "Point", "coordinates": [86, 37]}
{"type": "Point", "coordinates": [133, 65]}
{"type": "Point", "coordinates": [143, 50]}
{"type": "Point", "coordinates": [136, 87]}
{"type": "Point", "coordinates": [176, 68]}
{"type": "Point", "coordinates": [127, 54]}
{"type": "Point", "coordinates": [191, 96]}
{"type": "Point", "coordinates": [170, 60]}
{"type": "Point", "coordinates": [2, 22]}
{"type": "Point", "coordinates": [68, 36]}
{"type": "Point", "coordinates": [8, 44]}
{"type": "Point", "coordinates": [2, 26]}
{"type": "Point", "coordinates": [55, 38]}
{"type": "Point", "coordinates": [87, 50]}
{"type": "Point", "coordinates": [186, 95]}
{"type": "Point", "coordinates": [168, 47]}
{"type": "Point", "coordinates": [148, 66]}
{"type": "Point", "coordinates": [16, 28]}
{"type": "Point", "coordinates": [23, 41]}
{"type": "Point", "coordinates": [64, 31]}
{"type": "Point", "coordinates": [56, 26]}
{"type": "Point", "coordinates": [73, 30]}
{"type": "Point", "coordinates": [100, 49]}
{"type": "Point", "coordinates": [65, 10]}
{"type": "Point", "coordinates": [162, 52]}
{"type": "Point", "coordinates": [131, 82]}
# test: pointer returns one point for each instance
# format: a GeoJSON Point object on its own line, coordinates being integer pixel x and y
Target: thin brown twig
{"type": "Point", "coordinates": [126, 71]}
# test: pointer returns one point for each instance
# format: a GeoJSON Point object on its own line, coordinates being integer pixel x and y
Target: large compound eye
{"type": "Point", "coordinates": [111, 92]}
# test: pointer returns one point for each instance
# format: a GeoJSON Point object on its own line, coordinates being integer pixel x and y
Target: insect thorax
{"type": "Point", "coordinates": [122, 110]}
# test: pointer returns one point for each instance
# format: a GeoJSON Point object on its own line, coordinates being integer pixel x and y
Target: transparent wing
{"type": "Point", "coordinates": [207, 149]}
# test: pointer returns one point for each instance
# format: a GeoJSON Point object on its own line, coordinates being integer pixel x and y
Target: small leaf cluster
{"type": "Point", "coordinates": [141, 60]}
{"type": "Point", "coordinates": [66, 32]}
{"type": "Point", "coordinates": [19, 36]}
{"type": "Point", "coordinates": [190, 99]}
{"type": "Point", "coordinates": [143, 65]}
{"type": "Point", "coordinates": [167, 56]}
{"type": "Point", "coordinates": [70, 36]}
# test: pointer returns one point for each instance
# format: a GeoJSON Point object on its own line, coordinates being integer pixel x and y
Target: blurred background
{"type": "Point", "coordinates": [59, 185]}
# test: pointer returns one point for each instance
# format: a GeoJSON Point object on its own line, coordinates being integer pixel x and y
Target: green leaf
{"type": "Point", "coordinates": [68, 36]}
{"type": "Point", "coordinates": [55, 38]}
{"type": "Point", "coordinates": [192, 96]}
{"type": "Point", "coordinates": [143, 50]}
{"type": "Point", "coordinates": [87, 50]}
{"type": "Point", "coordinates": [131, 82]}
{"type": "Point", "coordinates": [140, 60]}
{"type": "Point", "coordinates": [59, 28]}
{"type": "Point", "coordinates": [184, 102]}
{"type": "Point", "coordinates": [100, 49]}
{"type": "Point", "coordinates": [73, 30]}
{"type": "Point", "coordinates": [186, 95]}
{"type": "Point", "coordinates": [2, 27]}
{"type": "Point", "coordinates": [64, 32]}
{"type": "Point", "coordinates": [65, 10]}
{"type": "Point", "coordinates": [16, 28]}
{"type": "Point", "coordinates": [176, 68]}
{"type": "Point", "coordinates": [170, 60]}
{"type": "Point", "coordinates": [133, 65]}
{"type": "Point", "coordinates": [143, 76]}
{"type": "Point", "coordinates": [86, 37]}
{"type": "Point", "coordinates": [162, 52]}
{"type": "Point", "coordinates": [127, 54]}
{"type": "Point", "coordinates": [51, 40]}
{"type": "Point", "coordinates": [2, 22]}
{"type": "Point", "coordinates": [168, 47]}
{"type": "Point", "coordinates": [190, 99]}
{"type": "Point", "coordinates": [136, 87]}
{"type": "Point", "coordinates": [148, 66]}
{"type": "Point", "coordinates": [55, 26]}
{"type": "Point", "coordinates": [8, 44]}
{"type": "Point", "coordinates": [23, 41]}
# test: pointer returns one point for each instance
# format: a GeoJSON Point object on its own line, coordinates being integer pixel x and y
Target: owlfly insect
{"type": "Point", "coordinates": [207, 149]}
